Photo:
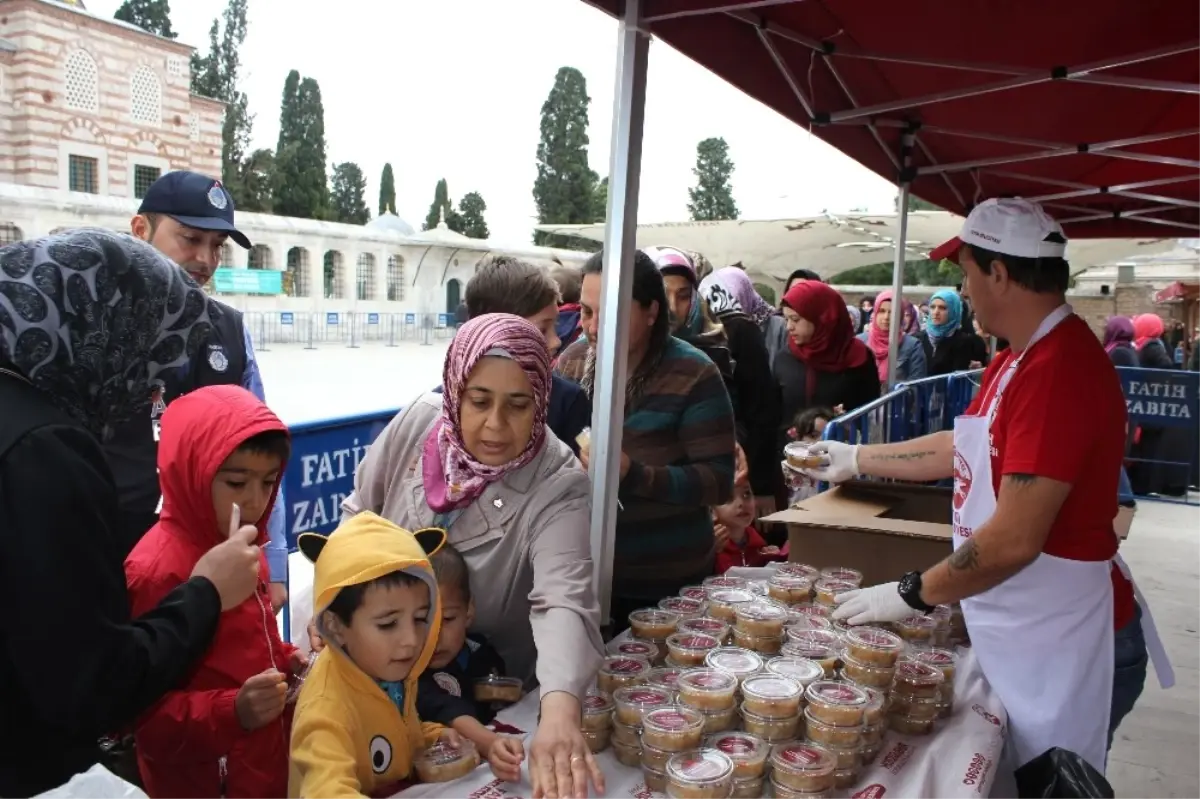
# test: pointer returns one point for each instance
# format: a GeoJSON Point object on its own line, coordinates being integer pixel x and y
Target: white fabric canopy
{"type": "Point", "coordinates": [833, 243]}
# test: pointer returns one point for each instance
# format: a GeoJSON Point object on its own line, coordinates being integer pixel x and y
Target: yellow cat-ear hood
{"type": "Point", "coordinates": [363, 548]}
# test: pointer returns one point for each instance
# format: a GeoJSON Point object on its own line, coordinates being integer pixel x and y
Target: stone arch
{"type": "Point", "coordinates": [297, 275]}
{"type": "Point", "coordinates": [145, 141]}
{"type": "Point", "coordinates": [365, 276]}
{"type": "Point", "coordinates": [334, 275]}
{"type": "Point", "coordinates": [83, 130]}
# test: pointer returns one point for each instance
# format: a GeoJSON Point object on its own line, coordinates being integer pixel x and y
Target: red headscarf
{"type": "Point", "coordinates": [833, 346]}
{"type": "Point", "coordinates": [1146, 327]}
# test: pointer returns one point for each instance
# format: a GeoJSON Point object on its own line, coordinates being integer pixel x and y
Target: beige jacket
{"type": "Point", "coordinates": [526, 541]}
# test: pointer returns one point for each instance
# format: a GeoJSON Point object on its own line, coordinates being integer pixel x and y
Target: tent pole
{"type": "Point", "coordinates": [620, 243]}
{"type": "Point", "coordinates": [897, 316]}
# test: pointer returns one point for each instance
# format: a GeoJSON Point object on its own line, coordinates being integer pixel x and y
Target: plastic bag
{"type": "Point", "coordinates": [1061, 773]}
{"type": "Point", "coordinates": [95, 783]}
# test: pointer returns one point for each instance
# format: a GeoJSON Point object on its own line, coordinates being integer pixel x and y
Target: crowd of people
{"type": "Point", "coordinates": [464, 550]}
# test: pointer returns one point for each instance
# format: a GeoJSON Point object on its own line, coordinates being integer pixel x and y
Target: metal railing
{"type": "Point", "coordinates": [909, 410]}
{"type": "Point", "coordinates": [313, 329]}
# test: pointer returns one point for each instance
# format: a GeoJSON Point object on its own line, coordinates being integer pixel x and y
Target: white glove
{"type": "Point", "coordinates": [840, 461]}
{"type": "Point", "coordinates": [874, 604]}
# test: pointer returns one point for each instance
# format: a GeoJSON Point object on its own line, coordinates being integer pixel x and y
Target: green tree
{"type": "Point", "coordinates": [470, 210]}
{"type": "Point", "coordinates": [600, 202]}
{"type": "Point", "coordinates": [153, 16]}
{"type": "Point", "coordinates": [258, 173]}
{"type": "Point", "coordinates": [712, 196]}
{"type": "Point", "coordinates": [347, 196]}
{"type": "Point", "coordinates": [299, 185]}
{"type": "Point", "coordinates": [443, 206]}
{"type": "Point", "coordinates": [565, 188]}
{"type": "Point", "coordinates": [387, 191]}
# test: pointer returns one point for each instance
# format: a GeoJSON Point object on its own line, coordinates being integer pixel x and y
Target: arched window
{"type": "Point", "coordinates": [260, 257]}
{"type": "Point", "coordinates": [366, 276]}
{"type": "Point", "coordinates": [83, 82]}
{"type": "Point", "coordinates": [334, 280]}
{"type": "Point", "coordinates": [395, 278]}
{"type": "Point", "coordinates": [296, 277]}
{"type": "Point", "coordinates": [145, 96]}
{"type": "Point", "coordinates": [10, 233]}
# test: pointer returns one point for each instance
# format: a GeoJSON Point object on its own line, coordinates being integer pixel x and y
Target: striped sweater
{"type": "Point", "coordinates": [679, 436]}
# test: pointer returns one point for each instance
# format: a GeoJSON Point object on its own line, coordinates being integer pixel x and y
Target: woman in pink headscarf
{"type": "Point", "coordinates": [478, 461]}
{"type": "Point", "coordinates": [910, 355]}
{"type": "Point", "coordinates": [1147, 340]}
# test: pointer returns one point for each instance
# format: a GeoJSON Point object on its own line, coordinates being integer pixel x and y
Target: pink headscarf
{"type": "Point", "coordinates": [452, 476]}
{"type": "Point", "coordinates": [877, 337]}
{"type": "Point", "coordinates": [1146, 327]}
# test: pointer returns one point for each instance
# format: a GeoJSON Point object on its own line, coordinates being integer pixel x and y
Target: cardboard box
{"type": "Point", "coordinates": [882, 529]}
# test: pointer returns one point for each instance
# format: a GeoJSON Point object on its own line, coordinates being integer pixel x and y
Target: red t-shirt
{"type": "Point", "coordinates": [748, 554]}
{"type": "Point", "coordinates": [1062, 416]}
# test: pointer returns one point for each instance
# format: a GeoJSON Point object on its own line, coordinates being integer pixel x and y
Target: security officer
{"type": "Point", "coordinates": [188, 217]}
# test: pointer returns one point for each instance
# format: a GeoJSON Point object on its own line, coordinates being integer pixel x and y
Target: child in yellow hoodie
{"type": "Point", "coordinates": [376, 600]}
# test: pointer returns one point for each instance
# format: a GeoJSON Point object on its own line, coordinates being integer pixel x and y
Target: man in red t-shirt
{"type": "Point", "coordinates": [1049, 426]}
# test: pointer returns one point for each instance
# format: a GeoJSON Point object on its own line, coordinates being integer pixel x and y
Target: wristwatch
{"type": "Point", "coordinates": [910, 591]}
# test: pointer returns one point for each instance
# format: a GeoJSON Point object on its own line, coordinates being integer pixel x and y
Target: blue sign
{"type": "Point", "coordinates": [443, 320]}
{"type": "Point", "coordinates": [331, 318]}
{"type": "Point", "coordinates": [287, 318]}
{"type": "Point", "coordinates": [247, 281]}
{"type": "Point", "coordinates": [1161, 397]}
{"type": "Point", "coordinates": [320, 473]}
{"type": "Point", "coordinates": [410, 319]}
{"type": "Point", "coordinates": [372, 319]}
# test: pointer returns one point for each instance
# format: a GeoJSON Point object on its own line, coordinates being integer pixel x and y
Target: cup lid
{"type": "Point", "coordinates": [443, 752]}
{"type": "Point", "coordinates": [694, 592]}
{"type": "Point", "coordinates": [771, 686]}
{"type": "Point", "coordinates": [918, 622]}
{"type": "Point", "coordinates": [681, 604]}
{"type": "Point", "coordinates": [739, 746]}
{"type": "Point", "coordinates": [724, 581]}
{"type": "Point", "coordinates": [842, 573]}
{"type": "Point", "coordinates": [597, 703]}
{"type": "Point", "coordinates": [496, 679]}
{"type": "Point", "coordinates": [835, 585]}
{"type": "Point", "coordinates": [702, 766]}
{"type": "Point", "coordinates": [734, 659]}
{"type": "Point", "coordinates": [934, 656]}
{"type": "Point", "coordinates": [713, 680]}
{"type": "Point", "coordinates": [805, 623]}
{"type": "Point", "coordinates": [691, 640]}
{"type": "Point", "coordinates": [828, 692]}
{"type": "Point", "coordinates": [761, 611]}
{"type": "Point", "coordinates": [704, 625]}
{"type": "Point", "coordinates": [673, 719]}
{"type": "Point", "coordinates": [814, 639]}
{"type": "Point", "coordinates": [874, 638]}
{"type": "Point", "coordinates": [731, 596]}
{"type": "Point", "coordinates": [642, 695]}
{"type": "Point", "coordinates": [653, 616]}
{"type": "Point", "coordinates": [917, 673]}
{"type": "Point", "coordinates": [811, 609]}
{"type": "Point", "coordinates": [802, 670]}
{"type": "Point", "coordinates": [635, 648]}
{"type": "Point", "coordinates": [802, 758]}
{"type": "Point", "coordinates": [790, 581]}
{"type": "Point", "coordinates": [664, 677]}
{"type": "Point", "coordinates": [625, 665]}
{"type": "Point", "coordinates": [798, 568]}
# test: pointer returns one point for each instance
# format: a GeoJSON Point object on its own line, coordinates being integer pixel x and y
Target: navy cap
{"type": "Point", "coordinates": [194, 200]}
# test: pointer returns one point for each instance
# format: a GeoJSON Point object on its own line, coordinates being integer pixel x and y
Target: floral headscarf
{"type": "Point", "coordinates": [729, 290]}
{"type": "Point", "coordinates": [92, 317]}
{"type": "Point", "coordinates": [451, 475]}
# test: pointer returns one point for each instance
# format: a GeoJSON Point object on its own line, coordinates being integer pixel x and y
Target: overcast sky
{"type": "Point", "coordinates": [454, 88]}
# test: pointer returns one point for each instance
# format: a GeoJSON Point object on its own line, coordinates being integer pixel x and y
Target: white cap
{"type": "Point", "coordinates": [1010, 226]}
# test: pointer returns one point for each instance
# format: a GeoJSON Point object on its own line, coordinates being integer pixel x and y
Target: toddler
{"type": "Point", "coordinates": [807, 428]}
{"type": "Point", "coordinates": [738, 543]}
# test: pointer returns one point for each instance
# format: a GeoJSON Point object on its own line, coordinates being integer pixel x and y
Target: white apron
{"type": "Point", "coordinates": [1044, 637]}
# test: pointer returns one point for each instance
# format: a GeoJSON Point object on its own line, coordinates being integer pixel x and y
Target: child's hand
{"type": "Point", "coordinates": [261, 699]}
{"type": "Point", "coordinates": [506, 757]}
{"type": "Point", "coordinates": [720, 536]}
{"type": "Point", "coordinates": [315, 641]}
{"type": "Point", "coordinates": [299, 662]}
{"type": "Point", "coordinates": [451, 737]}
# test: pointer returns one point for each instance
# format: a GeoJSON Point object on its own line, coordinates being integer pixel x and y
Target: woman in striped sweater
{"type": "Point", "coordinates": [677, 456]}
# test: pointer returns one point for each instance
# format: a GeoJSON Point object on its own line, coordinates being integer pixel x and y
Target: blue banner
{"type": "Point", "coordinates": [320, 473]}
{"type": "Point", "coordinates": [287, 318]}
{"type": "Point", "coordinates": [247, 281]}
{"type": "Point", "coordinates": [443, 320]}
{"type": "Point", "coordinates": [1161, 397]}
{"type": "Point", "coordinates": [372, 319]}
{"type": "Point", "coordinates": [331, 318]}
{"type": "Point", "coordinates": [410, 319]}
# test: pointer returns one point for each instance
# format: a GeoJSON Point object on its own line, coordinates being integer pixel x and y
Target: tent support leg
{"type": "Point", "coordinates": [620, 243]}
{"type": "Point", "coordinates": [897, 316]}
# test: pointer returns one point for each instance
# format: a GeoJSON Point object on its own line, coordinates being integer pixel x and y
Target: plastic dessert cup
{"type": "Point", "coordinates": [723, 602]}
{"type": "Point", "coordinates": [836, 703]}
{"type": "Point", "coordinates": [821, 646]}
{"type": "Point", "coordinates": [942, 659]}
{"type": "Point", "coordinates": [791, 589]}
{"type": "Point", "coordinates": [760, 619]}
{"type": "Point", "coordinates": [905, 725]}
{"type": "Point", "coordinates": [801, 569]}
{"type": "Point", "coordinates": [844, 573]}
{"type": "Point", "coordinates": [748, 788]}
{"type": "Point", "coordinates": [802, 624]}
{"type": "Point", "coordinates": [707, 689]}
{"type": "Point", "coordinates": [871, 751]}
{"type": "Point", "coordinates": [724, 581]}
{"type": "Point", "coordinates": [827, 588]}
{"type": "Point", "coordinates": [772, 696]}
{"type": "Point", "coordinates": [866, 674]}
{"type": "Point", "coordinates": [597, 712]}
{"type": "Point", "coordinates": [666, 677]}
{"type": "Point", "coordinates": [764, 645]}
{"type": "Point", "coordinates": [634, 700]}
{"type": "Point", "coordinates": [915, 679]}
{"type": "Point", "coordinates": [917, 709]}
{"type": "Point", "coordinates": [797, 456]}
{"type": "Point", "coordinates": [873, 647]}
{"type": "Point", "coordinates": [741, 663]}
{"type": "Point", "coordinates": [802, 670]}
{"type": "Point", "coordinates": [655, 759]}
{"type": "Point", "coordinates": [705, 625]}
{"type": "Point", "coordinates": [877, 705]}
{"type": "Point", "coordinates": [653, 623]}
{"type": "Point", "coordinates": [694, 592]}
{"type": "Point", "coordinates": [691, 648]}
{"type": "Point", "coordinates": [872, 734]}
{"type": "Point", "coordinates": [770, 729]}
{"type": "Point", "coordinates": [686, 607]}
{"type": "Point", "coordinates": [703, 774]}
{"type": "Point", "coordinates": [846, 757]}
{"type": "Point", "coordinates": [445, 761]}
{"type": "Point", "coordinates": [945, 708]}
{"type": "Point", "coordinates": [828, 735]}
{"type": "Point", "coordinates": [917, 629]}
{"type": "Point", "coordinates": [672, 729]}
{"type": "Point", "coordinates": [655, 780]}
{"type": "Point", "coordinates": [627, 755]}
{"type": "Point", "coordinates": [810, 609]}
{"type": "Point", "coordinates": [640, 649]}
{"type": "Point", "coordinates": [628, 734]}
{"type": "Point", "coordinates": [801, 766]}
{"type": "Point", "coordinates": [597, 740]}
{"type": "Point", "coordinates": [845, 777]}
{"type": "Point", "coordinates": [618, 671]}
{"type": "Point", "coordinates": [748, 752]}
{"type": "Point", "coordinates": [495, 688]}
{"type": "Point", "coordinates": [720, 720]}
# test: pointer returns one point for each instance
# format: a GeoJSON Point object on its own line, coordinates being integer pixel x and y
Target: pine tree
{"type": "Point", "coordinates": [258, 171]}
{"type": "Point", "coordinates": [600, 202]}
{"type": "Point", "coordinates": [300, 187]}
{"type": "Point", "coordinates": [564, 190]}
{"type": "Point", "coordinates": [153, 16]}
{"type": "Point", "coordinates": [471, 209]}
{"type": "Point", "coordinates": [387, 191]}
{"type": "Point", "coordinates": [440, 206]}
{"type": "Point", "coordinates": [206, 73]}
{"type": "Point", "coordinates": [347, 195]}
{"type": "Point", "coordinates": [712, 197]}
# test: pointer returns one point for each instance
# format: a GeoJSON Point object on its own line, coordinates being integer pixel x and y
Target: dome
{"type": "Point", "coordinates": [391, 223]}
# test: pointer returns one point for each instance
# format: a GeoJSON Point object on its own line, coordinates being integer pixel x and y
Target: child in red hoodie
{"type": "Point", "coordinates": [738, 543]}
{"type": "Point", "coordinates": [226, 731]}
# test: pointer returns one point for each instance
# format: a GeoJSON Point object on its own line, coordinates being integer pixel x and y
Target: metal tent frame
{"type": "Point", "coordinates": [1127, 210]}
